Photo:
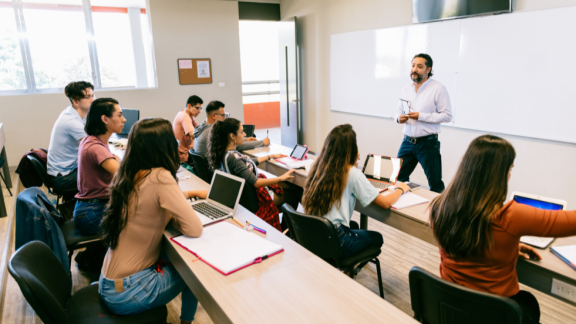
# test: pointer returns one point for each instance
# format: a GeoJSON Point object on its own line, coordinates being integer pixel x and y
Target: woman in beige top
{"type": "Point", "coordinates": [144, 198]}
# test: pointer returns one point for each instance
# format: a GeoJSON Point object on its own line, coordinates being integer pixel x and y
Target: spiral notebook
{"type": "Point", "coordinates": [227, 248]}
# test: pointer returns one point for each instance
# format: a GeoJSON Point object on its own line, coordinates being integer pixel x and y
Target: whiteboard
{"type": "Point", "coordinates": [509, 74]}
{"type": "Point", "coordinates": [369, 68]}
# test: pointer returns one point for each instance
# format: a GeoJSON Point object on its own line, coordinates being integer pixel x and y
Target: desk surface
{"type": "Point", "coordinates": [294, 286]}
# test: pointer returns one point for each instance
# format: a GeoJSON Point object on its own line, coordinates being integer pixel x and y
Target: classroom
{"type": "Point", "coordinates": [467, 106]}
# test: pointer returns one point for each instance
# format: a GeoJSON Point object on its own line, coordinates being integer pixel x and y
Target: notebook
{"type": "Point", "coordinates": [542, 203]}
{"type": "Point", "coordinates": [228, 248]}
{"type": "Point", "coordinates": [408, 200]}
{"type": "Point", "coordinates": [567, 253]}
{"type": "Point", "coordinates": [381, 171]}
{"type": "Point", "coordinates": [222, 200]}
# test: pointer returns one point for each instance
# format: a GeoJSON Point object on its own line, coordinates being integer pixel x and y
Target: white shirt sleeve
{"type": "Point", "coordinates": [363, 190]}
{"type": "Point", "coordinates": [76, 129]}
{"type": "Point", "coordinates": [443, 112]}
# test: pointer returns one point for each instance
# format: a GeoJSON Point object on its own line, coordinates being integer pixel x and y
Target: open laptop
{"type": "Point", "coordinates": [382, 171]}
{"type": "Point", "coordinates": [298, 154]}
{"type": "Point", "coordinates": [132, 116]}
{"type": "Point", "coordinates": [542, 203]}
{"type": "Point", "coordinates": [223, 197]}
{"type": "Point", "coordinates": [249, 130]}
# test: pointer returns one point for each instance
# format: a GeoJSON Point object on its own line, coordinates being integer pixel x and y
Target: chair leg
{"type": "Point", "coordinates": [379, 273]}
{"type": "Point", "coordinates": [6, 184]}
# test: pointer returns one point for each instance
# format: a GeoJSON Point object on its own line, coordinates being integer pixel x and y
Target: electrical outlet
{"type": "Point", "coordinates": [563, 290]}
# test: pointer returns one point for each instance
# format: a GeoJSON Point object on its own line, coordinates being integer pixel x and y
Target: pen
{"type": "Point", "coordinates": [256, 228]}
{"type": "Point", "coordinates": [237, 221]}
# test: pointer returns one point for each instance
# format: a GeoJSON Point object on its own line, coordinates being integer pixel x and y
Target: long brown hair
{"type": "Point", "coordinates": [218, 140]}
{"type": "Point", "coordinates": [328, 174]}
{"type": "Point", "coordinates": [462, 215]}
{"type": "Point", "coordinates": [151, 144]}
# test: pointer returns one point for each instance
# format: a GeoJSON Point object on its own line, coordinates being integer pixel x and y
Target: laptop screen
{"type": "Point", "coordinates": [538, 203]}
{"type": "Point", "coordinates": [382, 168]}
{"type": "Point", "coordinates": [132, 116]}
{"type": "Point", "coordinates": [224, 190]}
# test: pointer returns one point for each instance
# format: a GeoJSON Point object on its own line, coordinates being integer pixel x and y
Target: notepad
{"type": "Point", "coordinates": [228, 248]}
{"type": "Point", "coordinates": [304, 164]}
{"type": "Point", "coordinates": [408, 200]}
{"type": "Point", "coordinates": [567, 253]}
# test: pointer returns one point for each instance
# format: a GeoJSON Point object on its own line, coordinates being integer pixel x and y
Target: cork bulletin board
{"type": "Point", "coordinates": [194, 71]}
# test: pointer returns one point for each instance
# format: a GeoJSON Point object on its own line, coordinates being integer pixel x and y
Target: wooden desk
{"type": "Point", "coordinates": [292, 287]}
{"type": "Point", "coordinates": [5, 171]}
{"type": "Point", "coordinates": [414, 221]}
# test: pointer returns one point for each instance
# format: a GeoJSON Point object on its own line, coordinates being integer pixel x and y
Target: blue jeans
{"type": "Point", "coordinates": [88, 216]}
{"type": "Point", "coordinates": [149, 289]}
{"type": "Point", "coordinates": [427, 152]}
{"type": "Point", "coordinates": [353, 241]}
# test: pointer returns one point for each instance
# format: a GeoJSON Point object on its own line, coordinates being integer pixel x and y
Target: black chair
{"type": "Point", "coordinates": [437, 301]}
{"type": "Point", "coordinates": [76, 240]}
{"type": "Point", "coordinates": [43, 174]}
{"type": "Point", "coordinates": [1, 176]}
{"type": "Point", "coordinates": [47, 288]}
{"type": "Point", "coordinates": [318, 235]}
{"type": "Point", "coordinates": [201, 167]}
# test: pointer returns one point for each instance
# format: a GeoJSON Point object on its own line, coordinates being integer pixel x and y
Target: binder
{"type": "Point", "coordinates": [566, 253]}
{"type": "Point", "coordinates": [228, 248]}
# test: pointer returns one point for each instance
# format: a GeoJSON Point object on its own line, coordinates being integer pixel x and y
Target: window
{"type": "Point", "coordinates": [45, 44]}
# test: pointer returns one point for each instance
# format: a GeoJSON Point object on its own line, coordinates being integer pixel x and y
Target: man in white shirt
{"type": "Point", "coordinates": [423, 105]}
{"type": "Point", "coordinates": [66, 135]}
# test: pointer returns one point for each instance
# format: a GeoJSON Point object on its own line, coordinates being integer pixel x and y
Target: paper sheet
{"type": "Point", "coordinates": [203, 69]}
{"type": "Point", "coordinates": [408, 200]}
{"type": "Point", "coordinates": [185, 64]}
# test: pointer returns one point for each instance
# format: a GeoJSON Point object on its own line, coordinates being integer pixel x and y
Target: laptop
{"type": "Point", "coordinates": [298, 154]}
{"type": "Point", "coordinates": [132, 116]}
{"type": "Point", "coordinates": [249, 130]}
{"type": "Point", "coordinates": [223, 197]}
{"type": "Point", "coordinates": [542, 203]}
{"type": "Point", "coordinates": [382, 171]}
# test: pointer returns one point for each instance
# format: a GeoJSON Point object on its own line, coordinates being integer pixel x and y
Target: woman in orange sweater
{"type": "Point", "coordinates": [479, 235]}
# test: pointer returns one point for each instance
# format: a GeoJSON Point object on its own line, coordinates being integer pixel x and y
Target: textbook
{"type": "Point", "coordinates": [228, 248]}
{"type": "Point", "coordinates": [567, 253]}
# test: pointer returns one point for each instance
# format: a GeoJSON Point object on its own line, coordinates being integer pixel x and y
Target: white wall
{"type": "Point", "coordinates": [542, 167]}
{"type": "Point", "coordinates": [181, 29]}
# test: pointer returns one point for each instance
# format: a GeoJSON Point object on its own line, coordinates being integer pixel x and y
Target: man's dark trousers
{"type": "Point", "coordinates": [426, 150]}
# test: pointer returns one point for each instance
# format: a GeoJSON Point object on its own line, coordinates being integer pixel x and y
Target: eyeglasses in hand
{"type": "Point", "coordinates": [408, 103]}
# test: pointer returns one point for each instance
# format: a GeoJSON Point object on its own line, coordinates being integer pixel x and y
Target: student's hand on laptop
{"type": "Point", "coordinates": [527, 252]}
{"type": "Point", "coordinates": [403, 186]}
{"type": "Point", "coordinates": [277, 156]}
{"type": "Point", "coordinates": [266, 141]}
{"type": "Point", "coordinates": [251, 139]}
{"type": "Point", "coordinates": [287, 175]}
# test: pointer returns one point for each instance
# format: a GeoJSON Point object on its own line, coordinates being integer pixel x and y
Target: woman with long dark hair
{"type": "Point", "coordinates": [144, 198]}
{"type": "Point", "coordinates": [224, 137]}
{"type": "Point", "coordinates": [334, 184]}
{"type": "Point", "coordinates": [479, 236]}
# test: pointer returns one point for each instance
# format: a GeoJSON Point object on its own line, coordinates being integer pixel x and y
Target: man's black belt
{"type": "Point", "coordinates": [415, 140]}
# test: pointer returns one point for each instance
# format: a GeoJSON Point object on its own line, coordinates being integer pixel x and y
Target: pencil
{"type": "Point", "coordinates": [237, 221]}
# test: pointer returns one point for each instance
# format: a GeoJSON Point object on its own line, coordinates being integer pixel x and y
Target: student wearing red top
{"type": "Point", "coordinates": [479, 235]}
{"type": "Point", "coordinates": [96, 164]}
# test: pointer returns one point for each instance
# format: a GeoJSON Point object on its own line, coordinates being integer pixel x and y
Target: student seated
{"type": "Point", "coordinates": [215, 112]}
{"type": "Point", "coordinates": [479, 236]}
{"type": "Point", "coordinates": [225, 136]}
{"type": "Point", "coordinates": [184, 125]}
{"type": "Point", "coordinates": [144, 198]}
{"type": "Point", "coordinates": [96, 164]}
{"type": "Point", "coordinates": [334, 183]}
{"type": "Point", "coordinates": [66, 135]}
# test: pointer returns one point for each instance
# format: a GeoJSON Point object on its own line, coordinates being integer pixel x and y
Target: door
{"type": "Point", "coordinates": [289, 96]}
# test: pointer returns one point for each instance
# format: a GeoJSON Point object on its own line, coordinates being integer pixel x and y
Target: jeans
{"type": "Point", "coordinates": [149, 289]}
{"type": "Point", "coordinates": [88, 216]}
{"type": "Point", "coordinates": [353, 241]}
{"type": "Point", "coordinates": [427, 152]}
{"type": "Point", "coordinates": [67, 182]}
{"type": "Point", "coordinates": [529, 305]}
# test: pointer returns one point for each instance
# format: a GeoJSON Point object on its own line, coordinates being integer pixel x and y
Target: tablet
{"type": "Point", "coordinates": [299, 152]}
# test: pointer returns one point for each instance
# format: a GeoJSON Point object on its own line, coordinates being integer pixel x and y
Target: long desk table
{"type": "Point", "coordinates": [414, 221]}
{"type": "Point", "coordinates": [293, 287]}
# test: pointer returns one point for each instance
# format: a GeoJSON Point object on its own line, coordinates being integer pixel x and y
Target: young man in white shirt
{"type": "Point", "coordinates": [423, 105]}
{"type": "Point", "coordinates": [66, 135]}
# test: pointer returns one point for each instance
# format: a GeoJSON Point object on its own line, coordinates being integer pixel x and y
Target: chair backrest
{"type": "Point", "coordinates": [42, 280]}
{"type": "Point", "coordinates": [249, 197]}
{"type": "Point", "coordinates": [201, 167]}
{"type": "Point", "coordinates": [437, 301]}
{"type": "Point", "coordinates": [132, 116]}
{"type": "Point", "coordinates": [316, 234]}
{"type": "Point", "coordinates": [40, 170]}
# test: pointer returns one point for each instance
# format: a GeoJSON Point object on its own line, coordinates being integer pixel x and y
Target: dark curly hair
{"type": "Point", "coordinates": [75, 90]}
{"type": "Point", "coordinates": [218, 140]}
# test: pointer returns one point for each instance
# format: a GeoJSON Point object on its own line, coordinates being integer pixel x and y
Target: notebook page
{"type": "Point", "coordinates": [567, 251]}
{"type": "Point", "coordinates": [408, 200]}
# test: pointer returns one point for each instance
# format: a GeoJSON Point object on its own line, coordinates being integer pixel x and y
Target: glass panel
{"type": "Point", "coordinates": [147, 37]}
{"type": "Point", "coordinates": [11, 69]}
{"type": "Point", "coordinates": [259, 50]}
{"type": "Point", "coordinates": [56, 32]}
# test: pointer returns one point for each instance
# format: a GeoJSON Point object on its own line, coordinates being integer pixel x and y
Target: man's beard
{"type": "Point", "coordinates": [418, 78]}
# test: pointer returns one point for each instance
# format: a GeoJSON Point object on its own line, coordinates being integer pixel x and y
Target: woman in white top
{"type": "Point", "coordinates": [334, 184]}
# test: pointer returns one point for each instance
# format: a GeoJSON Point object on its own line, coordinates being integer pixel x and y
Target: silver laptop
{"type": "Point", "coordinates": [223, 197]}
{"type": "Point", "coordinates": [542, 203]}
{"type": "Point", "coordinates": [381, 171]}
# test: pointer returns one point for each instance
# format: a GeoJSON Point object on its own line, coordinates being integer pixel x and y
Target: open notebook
{"type": "Point", "coordinates": [228, 248]}
{"type": "Point", "coordinates": [406, 200]}
{"type": "Point", "coordinates": [567, 253]}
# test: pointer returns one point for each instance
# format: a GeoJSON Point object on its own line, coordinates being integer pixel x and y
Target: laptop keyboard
{"type": "Point", "coordinates": [209, 210]}
{"type": "Point", "coordinates": [379, 185]}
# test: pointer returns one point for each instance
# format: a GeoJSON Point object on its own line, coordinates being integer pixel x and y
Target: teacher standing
{"type": "Point", "coordinates": [423, 105]}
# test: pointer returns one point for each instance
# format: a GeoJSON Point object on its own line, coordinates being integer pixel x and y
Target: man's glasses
{"type": "Point", "coordinates": [408, 103]}
{"type": "Point", "coordinates": [223, 115]}
{"type": "Point", "coordinates": [90, 96]}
